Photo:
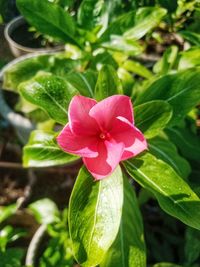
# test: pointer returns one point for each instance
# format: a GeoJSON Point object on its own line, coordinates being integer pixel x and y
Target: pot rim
{"type": "Point", "coordinates": [9, 29]}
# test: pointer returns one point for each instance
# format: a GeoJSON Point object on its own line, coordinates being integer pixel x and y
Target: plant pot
{"type": "Point", "coordinates": [21, 41]}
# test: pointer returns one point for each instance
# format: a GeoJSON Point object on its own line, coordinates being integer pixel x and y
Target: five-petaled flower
{"type": "Point", "coordinates": [103, 133]}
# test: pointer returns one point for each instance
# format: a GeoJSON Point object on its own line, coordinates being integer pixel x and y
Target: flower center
{"type": "Point", "coordinates": [104, 136]}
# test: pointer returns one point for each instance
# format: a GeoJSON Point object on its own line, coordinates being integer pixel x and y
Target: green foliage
{"type": "Point", "coordinates": [192, 246]}
{"type": "Point", "coordinates": [12, 257]}
{"type": "Point", "coordinates": [173, 194]}
{"type": "Point", "coordinates": [152, 117]}
{"type": "Point", "coordinates": [42, 151]}
{"type": "Point", "coordinates": [165, 150]}
{"type": "Point", "coordinates": [89, 209]}
{"type": "Point", "coordinates": [56, 22]}
{"type": "Point", "coordinates": [107, 84]}
{"type": "Point", "coordinates": [128, 248]}
{"type": "Point", "coordinates": [181, 91]}
{"type": "Point", "coordinates": [49, 92]}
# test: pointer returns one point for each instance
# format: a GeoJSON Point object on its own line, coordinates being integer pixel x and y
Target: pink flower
{"type": "Point", "coordinates": [102, 133]}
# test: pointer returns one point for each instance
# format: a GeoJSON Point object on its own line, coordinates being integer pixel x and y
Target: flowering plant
{"type": "Point", "coordinates": [83, 101]}
{"type": "Point", "coordinates": [102, 212]}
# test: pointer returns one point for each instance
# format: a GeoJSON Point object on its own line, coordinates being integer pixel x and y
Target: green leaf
{"type": "Point", "coordinates": [152, 117]}
{"type": "Point", "coordinates": [120, 44]}
{"type": "Point", "coordinates": [180, 90]}
{"type": "Point", "coordinates": [6, 212]}
{"type": "Point", "coordinates": [173, 194]}
{"type": "Point", "coordinates": [192, 37]}
{"type": "Point", "coordinates": [102, 58]}
{"type": "Point", "coordinates": [108, 83]}
{"type": "Point", "coordinates": [118, 26]}
{"type": "Point", "coordinates": [94, 215]}
{"type": "Point", "coordinates": [137, 68]}
{"type": "Point", "coordinates": [51, 93]}
{"type": "Point", "coordinates": [26, 69]}
{"type": "Point", "coordinates": [165, 150]}
{"type": "Point", "coordinates": [93, 14]}
{"type": "Point", "coordinates": [166, 264]}
{"type": "Point", "coordinates": [186, 141]}
{"type": "Point", "coordinates": [167, 62]}
{"type": "Point", "coordinates": [45, 211]}
{"type": "Point", "coordinates": [49, 19]}
{"type": "Point", "coordinates": [192, 245]}
{"type": "Point", "coordinates": [43, 151]}
{"type": "Point", "coordinates": [12, 257]}
{"type": "Point", "coordinates": [23, 70]}
{"type": "Point", "coordinates": [129, 246]}
{"type": "Point", "coordinates": [84, 82]}
{"type": "Point", "coordinates": [189, 58]}
{"type": "Point", "coordinates": [146, 19]}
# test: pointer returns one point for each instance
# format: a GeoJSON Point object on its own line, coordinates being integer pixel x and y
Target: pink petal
{"type": "Point", "coordinates": [82, 146]}
{"type": "Point", "coordinates": [79, 119]}
{"type": "Point", "coordinates": [133, 140]}
{"type": "Point", "coordinates": [108, 109]}
{"type": "Point", "coordinates": [107, 160]}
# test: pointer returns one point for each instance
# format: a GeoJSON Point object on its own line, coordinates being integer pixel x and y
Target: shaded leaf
{"type": "Point", "coordinates": [152, 117]}
{"type": "Point", "coordinates": [165, 150]}
{"type": "Point", "coordinates": [186, 141]}
{"type": "Point", "coordinates": [84, 82]}
{"type": "Point", "coordinates": [108, 83]}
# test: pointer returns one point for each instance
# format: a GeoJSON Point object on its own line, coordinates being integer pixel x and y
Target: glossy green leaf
{"type": "Point", "coordinates": [94, 215]}
{"type": "Point", "coordinates": [128, 250]}
{"type": "Point", "coordinates": [186, 141]}
{"type": "Point", "coordinates": [152, 117]}
{"type": "Point", "coordinates": [137, 68]}
{"type": "Point", "coordinates": [173, 194]}
{"type": "Point", "coordinates": [51, 93]}
{"type": "Point", "coordinates": [84, 82]}
{"type": "Point", "coordinates": [49, 19]}
{"type": "Point", "coordinates": [146, 19]}
{"type": "Point", "coordinates": [165, 150]}
{"type": "Point", "coordinates": [108, 83]}
{"type": "Point", "coordinates": [42, 151]}
{"type": "Point", "coordinates": [192, 245]}
{"type": "Point", "coordinates": [180, 90]}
